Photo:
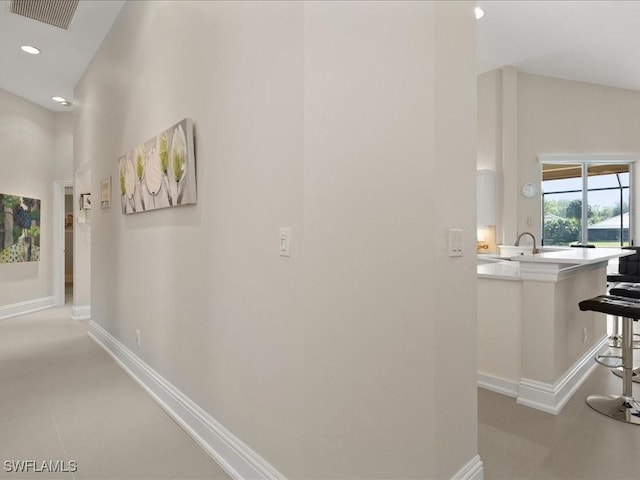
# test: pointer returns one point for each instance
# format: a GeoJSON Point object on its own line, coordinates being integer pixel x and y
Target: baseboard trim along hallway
{"type": "Point", "coordinates": [544, 396]}
{"type": "Point", "coordinates": [498, 385]}
{"type": "Point", "coordinates": [471, 471]}
{"type": "Point", "coordinates": [29, 306]}
{"type": "Point", "coordinates": [552, 398]}
{"type": "Point", "coordinates": [235, 457]}
{"type": "Point", "coordinates": [82, 312]}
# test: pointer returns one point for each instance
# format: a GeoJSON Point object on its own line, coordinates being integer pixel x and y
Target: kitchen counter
{"type": "Point", "coordinates": [534, 343]}
{"type": "Point", "coordinates": [574, 256]}
{"type": "Point", "coordinates": [553, 266]}
{"type": "Point", "coordinates": [500, 270]}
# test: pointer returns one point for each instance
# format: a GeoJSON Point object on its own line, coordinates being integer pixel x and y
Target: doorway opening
{"type": "Point", "coordinates": [62, 241]}
{"type": "Point", "coordinates": [68, 245]}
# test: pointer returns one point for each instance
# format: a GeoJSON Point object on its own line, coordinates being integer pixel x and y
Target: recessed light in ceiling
{"type": "Point", "coordinates": [65, 104]}
{"type": "Point", "coordinates": [479, 13]}
{"type": "Point", "coordinates": [59, 99]}
{"type": "Point", "coordinates": [30, 49]}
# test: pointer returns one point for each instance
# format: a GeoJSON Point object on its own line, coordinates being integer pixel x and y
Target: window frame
{"type": "Point", "coordinates": [584, 161]}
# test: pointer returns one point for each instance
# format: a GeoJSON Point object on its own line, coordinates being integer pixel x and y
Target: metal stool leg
{"type": "Point", "coordinates": [621, 407]}
{"type": "Point", "coordinates": [620, 371]}
{"type": "Point", "coordinates": [615, 340]}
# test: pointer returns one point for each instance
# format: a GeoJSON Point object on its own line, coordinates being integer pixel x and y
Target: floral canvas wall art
{"type": "Point", "coordinates": [161, 172]}
{"type": "Point", "coordinates": [19, 229]}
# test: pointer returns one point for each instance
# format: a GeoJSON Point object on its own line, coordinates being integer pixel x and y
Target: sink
{"type": "Point", "coordinates": [508, 251]}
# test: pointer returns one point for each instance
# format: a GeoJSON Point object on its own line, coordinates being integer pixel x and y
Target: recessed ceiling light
{"type": "Point", "coordinates": [30, 49]}
{"type": "Point", "coordinates": [65, 104]}
{"type": "Point", "coordinates": [59, 99]}
{"type": "Point", "coordinates": [479, 13]}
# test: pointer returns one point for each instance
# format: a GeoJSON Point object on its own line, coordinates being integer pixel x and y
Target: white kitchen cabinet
{"type": "Point", "coordinates": [486, 198]}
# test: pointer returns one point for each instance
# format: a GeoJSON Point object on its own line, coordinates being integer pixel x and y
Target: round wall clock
{"type": "Point", "coordinates": [529, 189]}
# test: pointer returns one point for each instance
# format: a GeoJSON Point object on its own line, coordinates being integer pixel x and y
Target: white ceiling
{"type": "Point", "coordinates": [591, 41]}
{"type": "Point", "coordinates": [65, 54]}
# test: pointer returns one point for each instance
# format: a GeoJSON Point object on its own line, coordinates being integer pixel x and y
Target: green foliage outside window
{"type": "Point", "coordinates": [561, 231]}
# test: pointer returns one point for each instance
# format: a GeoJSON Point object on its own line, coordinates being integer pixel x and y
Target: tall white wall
{"type": "Point", "coordinates": [63, 146]}
{"type": "Point", "coordinates": [352, 123]}
{"type": "Point", "coordinates": [554, 116]}
{"type": "Point", "coordinates": [83, 149]}
{"type": "Point", "coordinates": [27, 160]}
{"type": "Point", "coordinates": [453, 204]}
{"type": "Point", "coordinates": [490, 120]}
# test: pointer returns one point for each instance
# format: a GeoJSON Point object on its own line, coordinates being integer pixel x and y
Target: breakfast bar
{"type": "Point", "coordinates": [533, 342]}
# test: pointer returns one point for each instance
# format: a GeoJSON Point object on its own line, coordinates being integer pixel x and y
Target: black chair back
{"type": "Point", "coordinates": [628, 267]}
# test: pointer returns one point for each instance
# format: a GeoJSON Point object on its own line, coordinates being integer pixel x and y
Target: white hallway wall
{"type": "Point", "coordinates": [63, 146]}
{"type": "Point", "coordinates": [552, 116]}
{"type": "Point", "coordinates": [353, 123]}
{"type": "Point", "coordinates": [34, 150]}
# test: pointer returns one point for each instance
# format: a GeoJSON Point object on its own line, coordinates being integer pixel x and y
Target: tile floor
{"type": "Point", "coordinates": [63, 398]}
{"type": "Point", "coordinates": [518, 443]}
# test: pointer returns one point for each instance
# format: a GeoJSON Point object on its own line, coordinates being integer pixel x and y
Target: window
{"type": "Point", "coordinates": [586, 202]}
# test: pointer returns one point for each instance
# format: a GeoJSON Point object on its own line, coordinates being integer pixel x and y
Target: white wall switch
{"type": "Point", "coordinates": [285, 242]}
{"type": "Point", "coordinates": [455, 242]}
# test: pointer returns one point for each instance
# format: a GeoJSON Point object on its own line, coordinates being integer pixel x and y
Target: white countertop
{"type": "Point", "coordinates": [574, 256]}
{"type": "Point", "coordinates": [548, 265]}
{"type": "Point", "coordinates": [500, 270]}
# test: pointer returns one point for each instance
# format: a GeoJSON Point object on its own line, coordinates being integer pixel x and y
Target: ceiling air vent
{"type": "Point", "coordinates": [54, 12]}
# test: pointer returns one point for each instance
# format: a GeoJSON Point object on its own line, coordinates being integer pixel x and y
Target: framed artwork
{"type": "Point", "coordinates": [19, 229]}
{"type": "Point", "coordinates": [105, 193]}
{"type": "Point", "coordinates": [85, 201]}
{"type": "Point", "coordinates": [161, 172]}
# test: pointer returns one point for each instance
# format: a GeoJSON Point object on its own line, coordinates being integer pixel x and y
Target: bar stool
{"type": "Point", "coordinates": [621, 407]}
{"type": "Point", "coordinates": [628, 271]}
{"type": "Point", "coordinates": [627, 290]}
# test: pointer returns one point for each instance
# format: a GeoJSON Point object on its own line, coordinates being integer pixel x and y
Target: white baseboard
{"type": "Point", "coordinates": [22, 308]}
{"type": "Point", "coordinates": [498, 385]}
{"type": "Point", "coordinates": [235, 457]}
{"type": "Point", "coordinates": [82, 312]}
{"type": "Point", "coordinates": [552, 398]}
{"type": "Point", "coordinates": [473, 470]}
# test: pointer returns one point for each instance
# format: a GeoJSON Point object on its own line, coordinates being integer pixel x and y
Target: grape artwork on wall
{"type": "Point", "coordinates": [161, 172]}
{"type": "Point", "coordinates": [19, 229]}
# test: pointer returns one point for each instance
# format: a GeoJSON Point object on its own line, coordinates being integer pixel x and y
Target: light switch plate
{"type": "Point", "coordinates": [285, 242]}
{"type": "Point", "coordinates": [455, 242]}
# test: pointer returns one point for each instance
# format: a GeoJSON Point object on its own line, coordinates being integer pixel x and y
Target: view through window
{"type": "Point", "coordinates": [585, 203]}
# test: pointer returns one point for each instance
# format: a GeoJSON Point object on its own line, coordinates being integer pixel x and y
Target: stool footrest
{"type": "Point", "coordinates": [635, 374]}
{"type": "Point", "coordinates": [609, 361]}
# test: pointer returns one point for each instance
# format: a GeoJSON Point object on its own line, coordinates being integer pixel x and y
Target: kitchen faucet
{"type": "Point", "coordinates": [517, 244]}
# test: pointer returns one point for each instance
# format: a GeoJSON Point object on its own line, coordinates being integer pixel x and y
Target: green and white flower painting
{"type": "Point", "coordinates": [161, 172]}
{"type": "Point", "coordinates": [19, 229]}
